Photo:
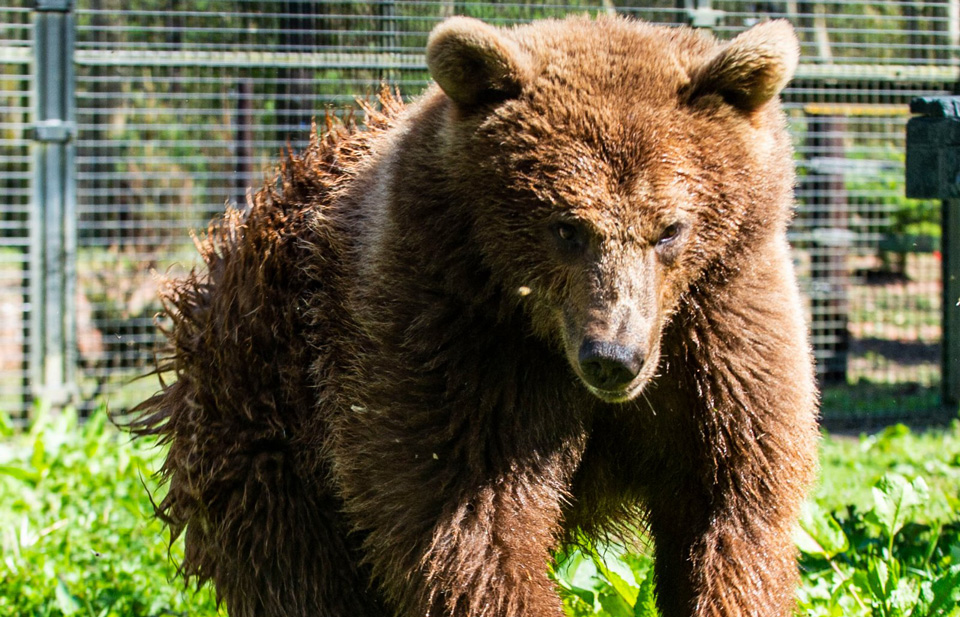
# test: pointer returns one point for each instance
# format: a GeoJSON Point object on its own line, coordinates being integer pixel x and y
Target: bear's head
{"type": "Point", "coordinates": [614, 169]}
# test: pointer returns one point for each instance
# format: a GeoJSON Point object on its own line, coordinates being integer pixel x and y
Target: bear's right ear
{"type": "Point", "coordinates": [474, 63]}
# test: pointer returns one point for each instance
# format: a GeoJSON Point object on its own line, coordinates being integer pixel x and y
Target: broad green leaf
{"type": "Point", "coordinates": [614, 603]}
{"type": "Point", "coordinates": [877, 576]}
{"type": "Point", "coordinates": [67, 604]}
{"type": "Point", "coordinates": [577, 570]}
{"type": "Point", "coordinates": [575, 574]}
{"type": "Point", "coordinates": [567, 564]}
{"type": "Point", "coordinates": [625, 590]}
{"type": "Point", "coordinates": [646, 604]}
{"type": "Point", "coordinates": [893, 497]}
{"type": "Point", "coordinates": [6, 426]}
{"type": "Point", "coordinates": [819, 533]}
{"type": "Point", "coordinates": [38, 457]}
{"type": "Point", "coordinates": [585, 596]}
{"type": "Point", "coordinates": [840, 589]}
{"type": "Point", "coordinates": [903, 596]}
{"type": "Point", "coordinates": [26, 475]}
{"type": "Point", "coordinates": [946, 593]}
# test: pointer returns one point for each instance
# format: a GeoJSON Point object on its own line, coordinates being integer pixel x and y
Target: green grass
{"type": "Point", "coordinates": [880, 537]}
{"type": "Point", "coordinates": [77, 536]}
{"type": "Point", "coordinates": [866, 399]}
{"type": "Point", "coordinates": [852, 466]}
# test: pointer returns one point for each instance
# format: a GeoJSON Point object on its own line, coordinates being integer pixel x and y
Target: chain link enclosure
{"type": "Point", "coordinates": [181, 107]}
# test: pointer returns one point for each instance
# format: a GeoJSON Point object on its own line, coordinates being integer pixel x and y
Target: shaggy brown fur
{"type": "Point", "coordinates": [552, 297]}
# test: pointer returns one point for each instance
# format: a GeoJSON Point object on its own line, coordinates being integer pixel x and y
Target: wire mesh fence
{"type": "Point", "coordinates": [16, 74]}
{"type": "Point", "coordinates": [183, 106]}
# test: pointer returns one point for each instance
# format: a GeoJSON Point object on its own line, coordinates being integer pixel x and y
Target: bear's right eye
{"type": "Point", "coordinates": [569, 236]}
{"type": "Point", "coordinates": [566, 232]}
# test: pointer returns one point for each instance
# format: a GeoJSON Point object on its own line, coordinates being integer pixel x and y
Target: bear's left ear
{"type": "Point", "coordinates": [752, 68]}
{"type": "Point", "coordinates": [475, 63]}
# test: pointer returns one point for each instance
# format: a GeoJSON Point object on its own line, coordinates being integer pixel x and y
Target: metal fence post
{"type": "Point", "coordinates": [389, 40]}
{"type": "Point", "coordinates": [826, 202]}
{"type": "Point", "coordinates": [950, 252]}
{"type": "Point", "coordinates": [933, 172]}
{"type": "Point", "coordinates": [53, 241]}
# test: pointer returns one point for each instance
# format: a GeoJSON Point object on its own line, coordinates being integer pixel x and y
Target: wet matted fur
{"type": "Point", "coordinates": [552, 297]}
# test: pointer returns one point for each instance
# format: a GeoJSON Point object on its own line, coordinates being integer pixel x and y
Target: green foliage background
{"type": "Point", "coordinates": [880, 536]}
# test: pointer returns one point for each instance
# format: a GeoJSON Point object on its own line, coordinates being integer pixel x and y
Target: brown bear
{"type": "Point", "coordinates": [552, 299]}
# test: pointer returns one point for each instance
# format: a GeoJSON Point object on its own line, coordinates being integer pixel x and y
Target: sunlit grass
{"type": "Point", "coordinates": [880, 535]}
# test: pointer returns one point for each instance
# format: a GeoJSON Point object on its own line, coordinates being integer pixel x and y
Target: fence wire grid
{"type": "Point", "coordinates": [182, 106]}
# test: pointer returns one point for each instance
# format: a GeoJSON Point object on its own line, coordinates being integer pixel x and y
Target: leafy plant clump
{"type": "Point", "coordinates": [880, 562]}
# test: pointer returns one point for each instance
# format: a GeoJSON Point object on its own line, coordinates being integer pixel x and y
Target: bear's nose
{"type": "Point", "coordinates": [609, 366]}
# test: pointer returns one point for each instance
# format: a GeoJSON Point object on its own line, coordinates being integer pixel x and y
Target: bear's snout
{"type": "Point", "coordinates": [607, 366]}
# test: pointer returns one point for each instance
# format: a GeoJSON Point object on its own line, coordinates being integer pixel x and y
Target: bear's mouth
{"type": "Point", "coordinates": [614, 396]}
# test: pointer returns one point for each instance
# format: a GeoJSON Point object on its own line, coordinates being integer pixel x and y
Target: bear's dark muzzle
{"type": "Point", "coordinates": [609, 366]}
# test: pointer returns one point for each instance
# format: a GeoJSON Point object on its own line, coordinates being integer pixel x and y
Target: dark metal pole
{"type": "Point", "coordinates": [933, 172]}
{"type": "Point", "coordinates": [950, 251]}
{"type": "Point", "coordinates": [390, 42]}
{"type": "Point", "coordinates": [828, 207]}
{"type": "Point", "coordinates": [53, 242]}
{"type": "Point", "coordinates": [243, 140]}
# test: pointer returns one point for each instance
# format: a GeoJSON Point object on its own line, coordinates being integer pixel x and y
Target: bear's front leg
{"type": "Point", "coordinates": [721, 564]}
{"type": "Point", "coordinates": [450, 532]}
{"type": "Point", "coordinates": [723, 522]}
